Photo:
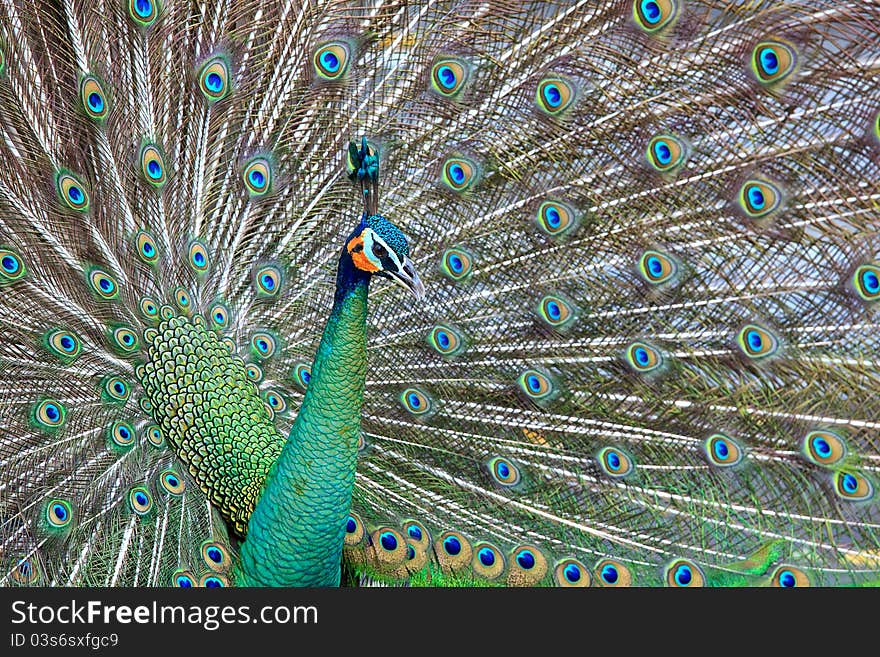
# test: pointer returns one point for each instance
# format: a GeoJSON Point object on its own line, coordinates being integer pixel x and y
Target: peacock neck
{"type": "Point", "coordinates": [295, 533]}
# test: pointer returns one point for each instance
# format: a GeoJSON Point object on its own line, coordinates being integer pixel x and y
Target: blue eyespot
{"type": "Point", "coordinates": [654, 15]}
{"type": "Point", "coordinates": [853, 486]}
{"type": "Point", "coordinates": [641, 356]}
{"type": "Point", "coordinates": [773, 61]}
{"type": "Point", "coordinates": [446, 77]}
{"type": "Point", "coordinates": [268, 281]}
{"type": "Point", "coordinates": [452, 546]}
{"type": "Point", "coordinates": [388, 541]}
{"type": "Point", "coordinates": [609, 574]}
{"type": "Point", "coordinates": [214, 82]}
{"type": "Point", "coordinates": [215, 555]}
{"type": "Point", "coordinates": [140, 498]}
{"type": "Point", "coordinates": [143, 8]}
{"type": "Point", "coordinates": [651, 11]}
{"type": "Point", "coordinates": [486, 556]}
{"type": "Point", "coordinates": [350, 525]}
{"type": "Point", "coordinates": [871, 282]}
{"type": "Point", "coordinates": [410, 553]}
{"type": "Point", "coordinates": [662, 152]}
{"type": "Point", "coordinates": [572, 573]}
{"type": "Point", "coordinates": [613, 461]}
{"type": "Point", "coordinates": [152, 165]}
{"type": "Point", "coordinates": [213, 583]}
{"type": "Point", "coordinates": [52, 412]}
{"type": "Point", "coordinates": [789, 577]}
{"type": "Point", "coordinates": [456, 264]}
{"type": "Point", "coordinates": [526, 560]}
{"type": "Point", "coordinates": [415, 532]}
{"type": "Point", "coordinates": [445, 340]}
{"type": "Point", "coordinates": [11, 266]}
{"type": "Point", "coordinates": [756, 197]}
{"type": "Point", "coordinates": [552, 95]}
{"type": "Point", "coordinates": [58, 513]}
{"type": "Point", "coordinates": [755, 340]}
{"type": "Point", "coordinates": [760, 198]}
{"type": "Point", "coordinates": [536, 385]}
{"type": "Point", "coordinates": [96, 103]}
{"type": "Point", "coordinates": [683, 575]}
{"type": "Point", "coordinates": [655, 266]}
{"type": "Point", "coordinates": [769, 61]}
{"type": "Point", "coordinates": [184, 581]}
{"type": "Point", "coordinates": [824, 447]}
{"type": "Point", "coordinates": [459, 173]}
{"type": "Point", "coordinates": [723, 450]}
{"type": "Point", "coordinates": [257, 175]}
{"type": "Point", "coordinates": [552, 217]}
{"type": "Point", "coordinates": [329, 61]}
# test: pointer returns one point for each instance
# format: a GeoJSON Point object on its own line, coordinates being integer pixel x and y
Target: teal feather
{"type": "Point", "coordinates": [646, 353]}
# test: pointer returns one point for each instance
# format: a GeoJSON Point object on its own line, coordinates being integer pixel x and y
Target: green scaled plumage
{"type": "Point", "coordinates": [646, 355]}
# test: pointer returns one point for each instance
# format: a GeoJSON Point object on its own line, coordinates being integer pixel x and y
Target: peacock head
{"type": "Point", "coordinates": [379, 247]}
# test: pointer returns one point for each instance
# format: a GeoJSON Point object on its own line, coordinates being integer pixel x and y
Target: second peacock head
{"type": "Point", "coordinates": [379, 247]}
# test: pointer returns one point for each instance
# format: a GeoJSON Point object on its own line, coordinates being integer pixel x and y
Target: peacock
{"type": "Point", "coordinates": [623, 268]}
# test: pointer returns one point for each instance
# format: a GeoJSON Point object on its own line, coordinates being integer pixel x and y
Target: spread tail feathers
{"type": "Point", "coordinates": [648, 235]}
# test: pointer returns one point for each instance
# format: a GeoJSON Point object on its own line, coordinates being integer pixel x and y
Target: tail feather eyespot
{"type": "Point", "coordinates": [449, 76]}
{"type": "Point", "coordinates": [214, 78]}
{"type": "Point", "coordinates": [654, 15]}
{"type": "Point", "coordinates": [773, 61]}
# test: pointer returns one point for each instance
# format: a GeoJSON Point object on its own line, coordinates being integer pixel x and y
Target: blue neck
{"type": "Point", "coordinates": [348, 279]}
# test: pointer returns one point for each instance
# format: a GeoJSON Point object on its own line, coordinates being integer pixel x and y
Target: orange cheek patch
{"type": "Point", "coordinates": [359, 258]}
{"type": "Point", "coordinates": [363, 262]}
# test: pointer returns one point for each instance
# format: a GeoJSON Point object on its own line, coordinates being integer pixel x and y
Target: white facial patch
{"type": "Point", "coordinates": [373, 241]}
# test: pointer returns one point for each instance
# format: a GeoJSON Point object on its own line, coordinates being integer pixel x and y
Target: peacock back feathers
{"type": "Point", "coordinates": [648, 233]}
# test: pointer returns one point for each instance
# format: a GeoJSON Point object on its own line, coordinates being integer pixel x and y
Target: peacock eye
{"type": "Point", "coordinates": [379, 251]}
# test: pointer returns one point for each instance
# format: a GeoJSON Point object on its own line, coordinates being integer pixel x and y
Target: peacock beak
{"type": "Point", "coordinates": [407, 277]}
